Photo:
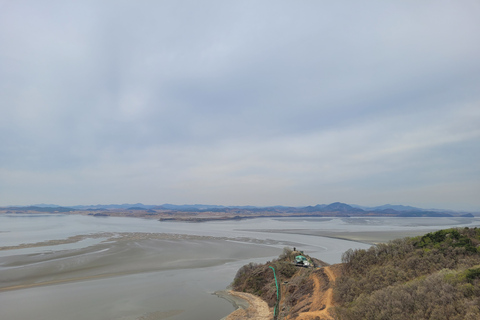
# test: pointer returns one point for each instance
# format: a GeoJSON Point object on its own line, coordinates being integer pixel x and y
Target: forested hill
{"type": "Point", "coordinates": [435, 276]}
{"type": "Point", "coordinates": [298, 286]}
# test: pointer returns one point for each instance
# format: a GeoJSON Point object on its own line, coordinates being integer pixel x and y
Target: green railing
{"type": "Point", "coordinates": [275, 310]}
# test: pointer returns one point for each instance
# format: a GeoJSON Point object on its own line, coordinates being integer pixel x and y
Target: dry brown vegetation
{"type": "Point", "coordinates": [435, 276]}
{"type": "Point", "coordinates": [305, 293]}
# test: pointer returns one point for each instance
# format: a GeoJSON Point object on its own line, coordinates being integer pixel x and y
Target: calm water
{"type": "Point", "coordinates": [180, 288]}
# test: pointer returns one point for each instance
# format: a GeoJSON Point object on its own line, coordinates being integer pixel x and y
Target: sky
{"type": "Point", "coordinates": [240, 102]}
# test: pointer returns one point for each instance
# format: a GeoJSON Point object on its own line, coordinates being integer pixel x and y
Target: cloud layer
{"type": "Point", "coordinates": [236, 103]}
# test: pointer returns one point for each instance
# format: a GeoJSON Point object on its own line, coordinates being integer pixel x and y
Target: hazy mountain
{"type": "Point", "coordinates": [43, 205]}
{"type": "Point", "coordinates": [56, 209]}
{"type": "Point", "coordinates": [113, 206]}
{"type": "Point", "coordinates": [336, 208]}
{"type": "Point", "coordinates": [395, 207]}
{"type": "Point", "coordinates": [341, 207]}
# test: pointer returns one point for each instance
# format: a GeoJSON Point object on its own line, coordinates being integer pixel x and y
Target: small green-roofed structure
{"type": "Point", "coordinates": [300, 258]}
{"type": "Point", "coordinates": [302, 261]}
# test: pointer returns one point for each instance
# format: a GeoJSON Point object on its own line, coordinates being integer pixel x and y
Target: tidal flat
{"type": "Point", "coordinates": [69, 267]}
{"type": "Point", "coordinates": [135, 277]}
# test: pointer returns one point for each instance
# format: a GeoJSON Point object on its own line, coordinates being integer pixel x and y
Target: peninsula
{"type": "Point", "coordinates": [434, 276]}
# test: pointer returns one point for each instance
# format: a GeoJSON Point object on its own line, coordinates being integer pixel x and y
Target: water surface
{"type": "Point", "coordinates": [127, 268]}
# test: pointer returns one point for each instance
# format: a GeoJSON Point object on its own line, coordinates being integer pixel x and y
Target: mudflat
{"type": "Point", "coordinates": [133, 276]}
{"type": "Point", "coordinates": [369, 237]}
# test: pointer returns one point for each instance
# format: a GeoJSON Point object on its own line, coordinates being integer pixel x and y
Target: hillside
{"type": "Point", "coordinates": [305, 293]}
{"type": "Point", "coordinates": [434, 276]}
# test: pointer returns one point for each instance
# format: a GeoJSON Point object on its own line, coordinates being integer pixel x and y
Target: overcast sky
{"type": "Point", "coordinates": [240, 102]}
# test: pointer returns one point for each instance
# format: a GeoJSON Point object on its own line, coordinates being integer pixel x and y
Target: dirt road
{"type": "Point", "coordinates": [322, 300]}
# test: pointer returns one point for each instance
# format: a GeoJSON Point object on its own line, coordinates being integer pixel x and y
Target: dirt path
{"type": "Point", "coordinates": [321, 299]}
{"type": "Point", "coordinates": [257, 309]}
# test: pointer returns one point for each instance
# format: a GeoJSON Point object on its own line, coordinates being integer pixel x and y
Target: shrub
{"type": "Point", "coordinates": [435, 276]}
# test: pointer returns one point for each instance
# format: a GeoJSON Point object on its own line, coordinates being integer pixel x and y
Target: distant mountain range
{"type": "Point", "coordinates": [336, 208]}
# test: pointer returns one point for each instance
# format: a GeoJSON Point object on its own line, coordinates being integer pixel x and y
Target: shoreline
{"type": "Point", "coordinates": [237, 302]}
{"type": "Point", "coordinates": [366, 237]}
{"type": "Point", "coordinates": [247, 306]}
{"type": "Point", "coordinates": [206, 216]}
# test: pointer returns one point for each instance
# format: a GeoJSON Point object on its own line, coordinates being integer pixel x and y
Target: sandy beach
{"type": "Point", "coordinates": [248, 306]}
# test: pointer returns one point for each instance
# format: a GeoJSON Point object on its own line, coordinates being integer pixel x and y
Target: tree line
{"type": "Point", "coordinates": [435, 276]}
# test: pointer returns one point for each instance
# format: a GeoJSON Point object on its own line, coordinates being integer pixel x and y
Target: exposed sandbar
{"type": "Point", "coordinates": [125, 253]}
{"type": "Point", "coordinates": [133, 236]}
{"type": "Point", "coordinates": [369, 237]}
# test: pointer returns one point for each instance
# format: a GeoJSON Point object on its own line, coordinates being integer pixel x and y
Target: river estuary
{"type": "Point", "coordinates": [82, 267]}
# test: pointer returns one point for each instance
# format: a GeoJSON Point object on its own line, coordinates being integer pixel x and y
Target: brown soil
{"type": "Point", "coordinates": [310, 302]}
{"type": "Point", "coordinates": [321, 299]}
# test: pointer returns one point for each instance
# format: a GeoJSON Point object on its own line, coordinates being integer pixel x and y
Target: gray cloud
{"type": "Point", "coordinates": [240, 103]}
